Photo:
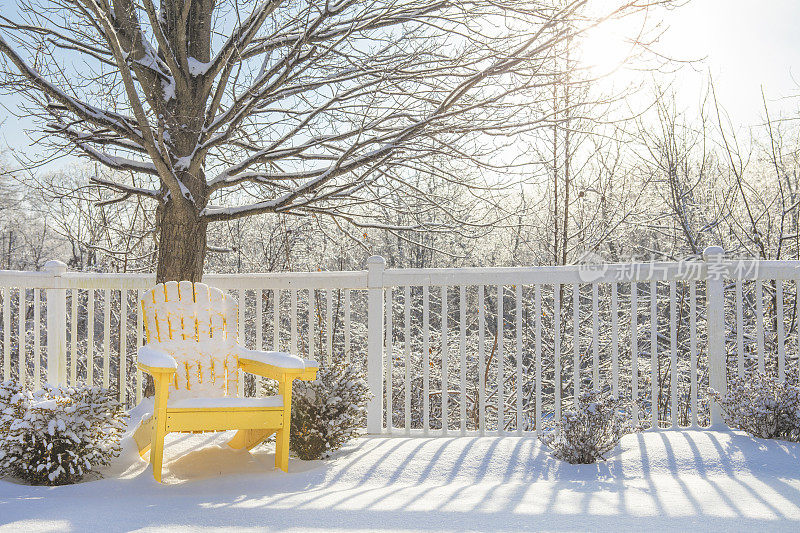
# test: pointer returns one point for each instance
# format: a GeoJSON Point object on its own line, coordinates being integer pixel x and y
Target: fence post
{"type": "Point", "coordinates": [375, 267]}
{"type": "Point", "coordinates": [56, 332]}
{"type": "Point", "coordinates": [715, 300]}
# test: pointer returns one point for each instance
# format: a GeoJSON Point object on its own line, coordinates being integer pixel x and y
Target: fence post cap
{"type": "Point", "coordinates": [713, 252]}
{"type": "Point", "coordinates": [55, 266]}
{"type": "Point", "coordinates": [376, 260]}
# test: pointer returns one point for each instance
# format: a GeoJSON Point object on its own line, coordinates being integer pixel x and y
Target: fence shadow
{"type": "Point", "coordinates": [657, 480]}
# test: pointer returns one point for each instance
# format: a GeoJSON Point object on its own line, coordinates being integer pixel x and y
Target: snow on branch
{"type": "Point", "coordinates": [124, 188]}
{"type": "Point", "coordinates": [100, 117]}
{"type": "Point", "coordinates": [117, 162]}
{"type": "Point", "coordinates": [100, 136]}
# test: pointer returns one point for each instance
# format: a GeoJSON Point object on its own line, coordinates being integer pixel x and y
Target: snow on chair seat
{"type": "Point", "coordinates": [227, 403]}
{"type": "Point", "coordinates": [193, 354]}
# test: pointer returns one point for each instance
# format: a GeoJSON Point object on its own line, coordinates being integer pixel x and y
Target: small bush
{"type": "Point", "coordinates": [55, 436]}
{"type": "Point", "coordinates": [326, 413]}
{"type": "Point", "coordinates": [584, 435]}
{"type": "Point", "coordinates": [762, 405]}
{"type": "Point", "coordinates": [13, 402]}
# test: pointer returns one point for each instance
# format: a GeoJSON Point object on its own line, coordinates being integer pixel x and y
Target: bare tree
{"type": "Point", "coordinates": [678, 163]}
{"type": "Point", "coordinates": [101, 232]}
{"type": "Point", "coordinates": [229, 109]}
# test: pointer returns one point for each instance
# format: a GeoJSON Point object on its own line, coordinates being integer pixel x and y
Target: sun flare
{"type": "Point", "coordinates": [603, 49]}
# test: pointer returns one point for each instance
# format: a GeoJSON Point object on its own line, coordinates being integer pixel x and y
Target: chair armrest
{"type": "Point", "coordinates": [276, 359]}
{"type": "Point", "coordinates": [155, 361]}
{"type": "Point", "coordinates": [277, 365]}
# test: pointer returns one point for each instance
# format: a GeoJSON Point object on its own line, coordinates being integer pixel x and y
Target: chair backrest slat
{"type": "Point", "coordinates": [198, 326]}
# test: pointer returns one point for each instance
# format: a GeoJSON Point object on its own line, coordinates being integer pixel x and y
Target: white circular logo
{"type": "Point", "coordinates": [591, 267]}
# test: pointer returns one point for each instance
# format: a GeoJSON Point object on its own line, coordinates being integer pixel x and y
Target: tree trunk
{"type": "Point", "coordinates": [181, 244]}
{"type": "Point", "coordinates": [181, 251]}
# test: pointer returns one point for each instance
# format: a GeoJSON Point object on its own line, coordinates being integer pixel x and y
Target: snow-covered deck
{"type": "Point", "coordinates": [669, 480]}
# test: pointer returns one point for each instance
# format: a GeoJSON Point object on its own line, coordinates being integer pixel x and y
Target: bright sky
{"type": "Point", "coordinates": [745, 43]}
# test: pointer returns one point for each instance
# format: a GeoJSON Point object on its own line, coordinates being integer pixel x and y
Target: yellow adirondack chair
{"type": "Point", "coordinates": [194, 357]}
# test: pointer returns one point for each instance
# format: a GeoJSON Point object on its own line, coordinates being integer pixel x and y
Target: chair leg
{"type": "Point", "coordinates": [249, 438]}
{"type": "Point", "coordinates": [159, 427]}
{"type": "Point", "coordinates": [282, 449]}
{"type": "Point", "coordinates": [282, 436]}
{"type": "Point", "coordinates": [157, 454]}
{"type": "Point", "coordinates": [143, 436]}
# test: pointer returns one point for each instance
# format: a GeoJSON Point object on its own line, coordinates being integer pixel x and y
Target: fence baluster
{"type": "Point", "coordinates": [445, 365]}
{"type": "Point", "coordinates": [259, 301]}
{"type": "Point", "coordinates": [518, 297]}
{"type": "Point", "coordinates": [276, 320]}
{"type": "Point", "coordinates": [123, 345]}
{"type": "Point", "coordinates": [329, 326]}
{"type": "Point", "coordinates": [797, 314]}
{"type": "Point", "coordinates": [739, 329]}
{"type": "Point", "coordinates": [614, 341]}
{"type": "Point", "coordinates": [37, 339]}
{"type": "Point", "coordinates": [595, 337]}
{"type": "Point", "coordinates": [90, 338]}
{"type": "Point", "coordinates": [538, 354]}
{"type": "Point", "coordinates": [293, 321]}
{"type": "Point", "coordinates": [6, 334]}
{"type": "Point", "coordinates": [375, 339]}
{"type": "Point", "coordinates": [21, 334]}
{"type": "Point", "coordinates": [576, 344]}
{"type": "Point", "coordinates": [673, 360]}
{"type": "Point", "coordinates": [407, 368]}
{"type": "Point", "coordinates": [634, 353]}
{"type": "Point", "coordinates": [55, 328]}
{"type": "Point", "coordinates": [73, 337]}
{"type": "Point", "coordinates": [139, 343]}
{"type": "Point", "coordinates": [426, 362]}
{"type": "Point", "coordinates": [389, 351]}
{"type": "Point", "coordinates": [693, 348]}
{"type": "Point", "coordinates": [760, 325]}
{"type": "Point", "coordinates": [654, 374]}
{"type": "Point", "coordinates": [715, 320]}
{"type": "Point", "coordinates": [462, 319]}
{"type": "Point", "coordinates": [347, 326]}
{"type": "Point", "coordinates": [780, 329]}
{"type": "Point", "coordinates": [557, 349]}
{"type": "Point", "coordinates": [312, 319]}
{"type": "Point", "coordinates": [781, 332]}
{"type": "Point", "coordinates": [500, 363]}
{"type": "Point", "coordinates": [106, 337]}
{"type": "Point", "coordinates": [481, 360]}
{"type": "Point", "coordinates": [242, 336]}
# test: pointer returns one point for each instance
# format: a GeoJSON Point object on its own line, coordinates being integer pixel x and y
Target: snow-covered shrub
{"type": "Point", "coordinates": [327, 412]}
{"type": "Point", "coordinates": [584, 435]}
{"type": "Point", "coordinates": [56, 435]}
{"type": "Point", "coordinates": [12, 404]}
{"type": "Point", "coordinates": [762, 405]}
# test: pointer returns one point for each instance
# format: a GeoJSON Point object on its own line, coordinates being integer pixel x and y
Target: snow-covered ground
{"type": "Point", "coordinates": [670, 480]}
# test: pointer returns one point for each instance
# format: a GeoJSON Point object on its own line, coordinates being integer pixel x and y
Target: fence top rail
{"type": "Point", "coordinates": [730, 269]}
{"type": "Point", "coordinates": [696, 270]}
{"type": "Point", "coordinates": [290, 280]}
{"type": "Point", "coordinates": [547, 275]}
{"type": "Point", "coordinates": [133, 281]}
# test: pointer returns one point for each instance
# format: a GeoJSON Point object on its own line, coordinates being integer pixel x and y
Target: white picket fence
{"type": "Point", "coordinates": [451, 351]}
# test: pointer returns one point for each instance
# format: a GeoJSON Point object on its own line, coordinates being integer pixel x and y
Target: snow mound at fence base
{"type": "Point", "coordinates": [669, 480]}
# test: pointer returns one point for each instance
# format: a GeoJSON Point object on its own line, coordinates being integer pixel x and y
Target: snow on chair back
{"type": "Point", "coordinates": [198, 326]}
